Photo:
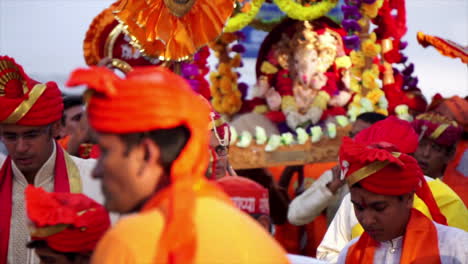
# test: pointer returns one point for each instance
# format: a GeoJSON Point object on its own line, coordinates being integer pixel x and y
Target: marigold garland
{"type": "Point", "coordinates": [227, 98]}
{"type": "Point", "coordinates": [297, 11]}
{"type": "Point", "coordinates": [242, 19]}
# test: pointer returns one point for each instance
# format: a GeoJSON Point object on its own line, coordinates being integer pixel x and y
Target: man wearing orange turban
{"type": "Point", "coordinates": [401, 137]}
{"type": "Point", "coordinates": [65, 226]}
{"type": "Point", "coordinates": [30, 113]}
{"type": "Point", "coordinates": [383, 181]}
{"type": "Point", "coordinates": [152, 133]}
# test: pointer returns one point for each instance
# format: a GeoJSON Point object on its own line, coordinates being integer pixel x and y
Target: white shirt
{"type": "Point", "coordinates": [339, 232]}
{"type": "Point", "coordinates": [452, 243]}
{"type": "Point", "coordinates": [307, 206]}
{"type": "Point", "coordinates": [298, 259]}
{"type": "Point", "coordinates": [19, 232]}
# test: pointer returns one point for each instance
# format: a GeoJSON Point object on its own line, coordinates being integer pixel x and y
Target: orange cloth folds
{"type": "Point", "coordinates": [151, 98]}
{"type": "Point", "coordinates": [420, 244]}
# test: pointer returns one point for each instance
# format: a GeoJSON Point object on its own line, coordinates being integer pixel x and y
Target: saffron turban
{"type": "Point", "coordinates": [442, 130]}
{"type": "Point", "coordinates": [380, 164]}
{"type": "Point", "coordinates": [67, 222]}
{"type": "Point", "coordinates": [247, 195]}
{"type": "Point", "coordinates": [459, 109]}
{"type": "Point", "coordinates": [151, 98]}
{"type": "Point", "coordinates": [25, 101]}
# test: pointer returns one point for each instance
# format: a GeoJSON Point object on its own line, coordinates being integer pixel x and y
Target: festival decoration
{"type": "Point", "coordinates": [444, 46]}
{"type": "Point", "coordinates": [225, 89]}
{"type": "Point", "coordinates": [302, 71]}
{"type": "Point", "coordinates": [173, 30]}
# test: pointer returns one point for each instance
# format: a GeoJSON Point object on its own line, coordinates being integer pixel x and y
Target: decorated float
{"type": "Point", "coordinates": [314, 74]}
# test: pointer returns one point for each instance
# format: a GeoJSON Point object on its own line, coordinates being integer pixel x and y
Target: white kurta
{"type": "Point", "coordinates": [19, 232]}
{"type": "Point", "coordinates": [310, 204]}
{"type": "Point", "coordinates": [453, 247]}
{"type": "Point", "coordinates": [339, 232]}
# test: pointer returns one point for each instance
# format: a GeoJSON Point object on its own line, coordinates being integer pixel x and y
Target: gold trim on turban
{"type": "Point", "coordinates": [368, 170]}
{"type": "Point", "coordinates": [26, 105]}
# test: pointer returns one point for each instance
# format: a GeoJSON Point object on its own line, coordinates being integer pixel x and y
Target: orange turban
{"type": "Point", "coordinates": [67, 222]}
{"type": "Point", "coordinates": [151, 98]}
{"type": "Point", "coordinates": [25, 101]}
{"type": "Point", "coordinates": [381, 166]}
{"type": "Point", "coordinates": [247, 195]}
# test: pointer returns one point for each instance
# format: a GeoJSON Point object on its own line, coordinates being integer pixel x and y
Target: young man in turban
{"type": "Point", "coordinates": [152, 131]}
{"type": "Point", "coordinates": [345, 226]}
{"type": "Point", "coordinates": [456, 172]}
{"type": "Point", "coordinates": [383, 181]}
{"type": "Point", "coordinates": [30, 113]}
{"type": "Point", "coordinates": [65, 227]}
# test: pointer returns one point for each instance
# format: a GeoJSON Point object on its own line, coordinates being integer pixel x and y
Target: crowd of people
{"type": "Point", "coordinates": [137, 171]}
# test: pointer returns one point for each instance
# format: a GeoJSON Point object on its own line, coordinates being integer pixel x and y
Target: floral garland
{"type": "Point", "coordinates": [356, 16]}
{"type": "Point", "coordinates": [366, 68]}
{"type": "Point", "coordinates": [225, 89]}
{"type": "Point", "coordinates": [242, 19]}
{"type": "Point", "coordinates": [196, 71]}
{"type": "Point", "coordinates": [297, 11]}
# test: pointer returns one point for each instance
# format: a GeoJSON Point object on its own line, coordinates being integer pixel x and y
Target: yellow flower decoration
{"type": "Point", "coordinates": [297, 11]}
{"type": "Point", "coordinates": [369, 80]}
{"type": "Point", "coordinates": [355, 85]}
{"type": "Point", "coordinates": [260, 109]}
{"type": "Point", "coordinates": [382, 111]}
{"type": "Point", "coordinates": [374, 95]}
{"type": "Point", "coordinates": [241, 20]}
{"type": "Point", "coordinates": [357, 58]}
{"type": "Point", "coordinates": [321, 100]}
{"type": "Point", "coordinates": [288, 103]}
{"type": "Point", "coordinates": [371, 10]}
{"type": "Point", "coordinates": [369, 47]}
{"type": "Point", "coordinates": [343, 62]}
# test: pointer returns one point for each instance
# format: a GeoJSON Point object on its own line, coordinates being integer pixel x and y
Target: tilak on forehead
{"type": "Point", "coordinates": [25, 101]}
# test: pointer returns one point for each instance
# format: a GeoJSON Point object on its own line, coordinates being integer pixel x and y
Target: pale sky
{"type": "Point", "coordinates": [45, 36]}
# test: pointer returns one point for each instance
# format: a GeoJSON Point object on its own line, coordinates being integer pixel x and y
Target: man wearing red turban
{"type": "Point", "coordinates": [152, 131]}
{"type": "Point", "coordinates": [437, 149]}
{"type": "Point", "coordinates": [400, 136]}
{"type": "Point", "coordinates": [456, 173]}
{"type": "Point", "coordinates": [30, 113]}
{"type": "Point", "coordinates": [383, 180]}
{"type": "Point", "coordinates": [65, 226]}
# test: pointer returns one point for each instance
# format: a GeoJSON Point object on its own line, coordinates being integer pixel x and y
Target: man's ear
{"type": "Point", "coordinates": [56, 129]}
{"type": "Point", "coordinates": [409, 199]}
{"type": "Point", "coordinates": [152, 152]}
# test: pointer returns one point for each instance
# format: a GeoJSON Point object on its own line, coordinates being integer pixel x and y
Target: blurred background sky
{"type": "Point", "coordinates": [46, 37]}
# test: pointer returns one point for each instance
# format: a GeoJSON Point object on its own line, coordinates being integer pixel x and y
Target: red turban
{"type": "Point", "coordinates": [442, 130]}
{"type": "Point", "coordinates": [247, 195]}
{"type": "Point", "coordinates": [25, 101]}
{"type": "Point", "coordinates": [221, 128]}
{"type": "Point", "coordinates": [151, 98]}
{"type": "Point", "coordinates": [381, 166]}
{"type": "Point", "coordinates": [67, 222]}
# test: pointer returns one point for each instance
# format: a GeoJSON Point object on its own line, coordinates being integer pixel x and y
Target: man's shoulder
{"type": "Point", "coordinates": [84, 163]}
{"type": "Point", "coordinates": [449, 233]}
{"type": "Point", "coordinates": [131, 228]}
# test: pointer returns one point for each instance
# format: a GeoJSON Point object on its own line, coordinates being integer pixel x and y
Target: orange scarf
{"type": "Point", "coordinates": [420, 243]}
{"type": "Point", "coordinates": [182, 247]}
